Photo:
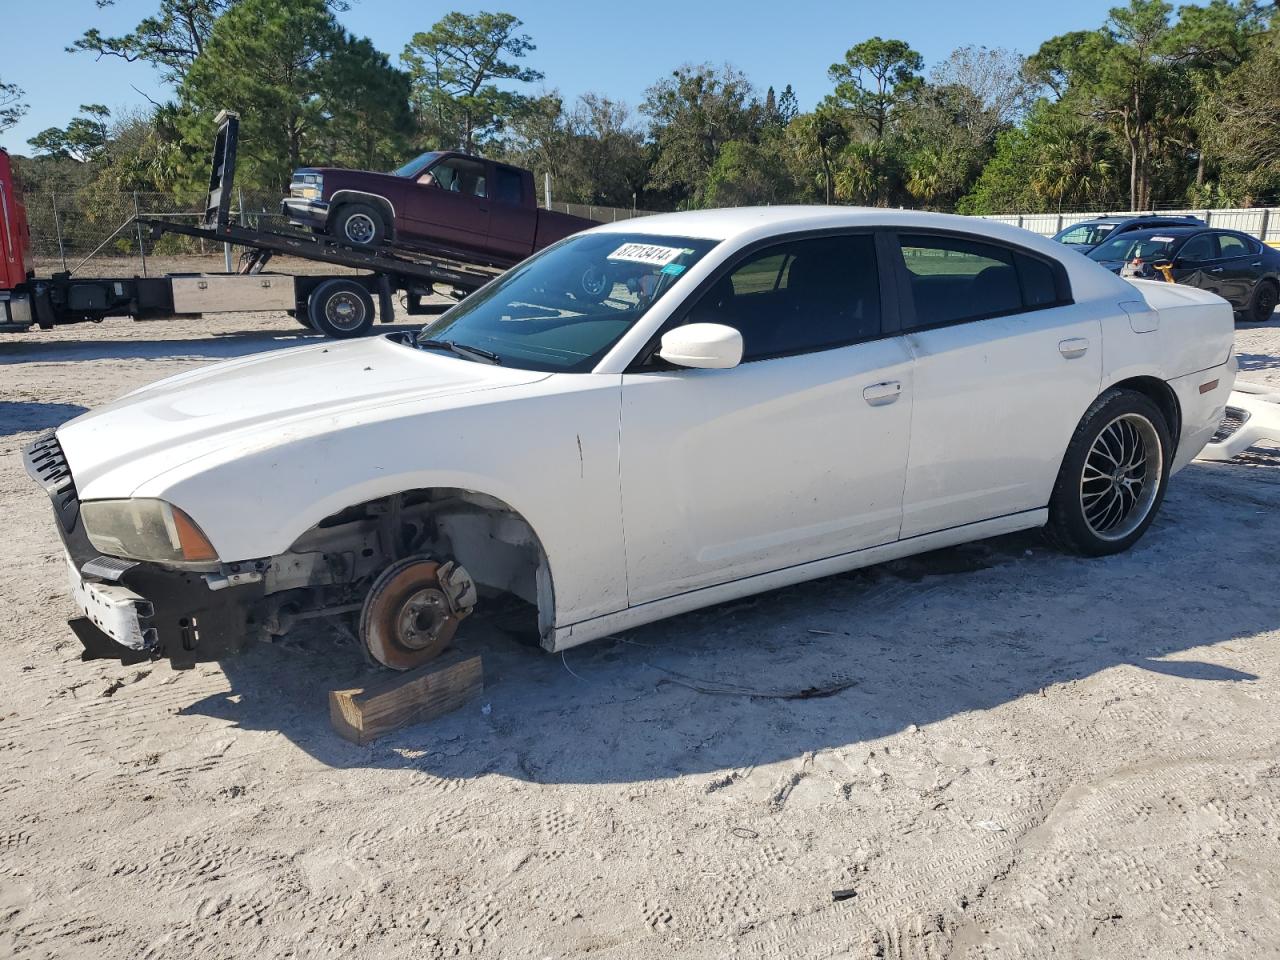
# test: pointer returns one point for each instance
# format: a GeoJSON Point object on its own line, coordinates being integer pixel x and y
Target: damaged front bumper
{"type": "Point", "coordinates": [1252, 415]}
{"type": "Point", "coordinates": [130, 610]}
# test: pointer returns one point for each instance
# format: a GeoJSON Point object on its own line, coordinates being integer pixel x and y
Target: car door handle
{"type": "Point", "coordinates": [880, 394]}
{"type": "Point", "coordinates": [1216, 270]}
{"type": "Point", "coordinates": [1073, 347]}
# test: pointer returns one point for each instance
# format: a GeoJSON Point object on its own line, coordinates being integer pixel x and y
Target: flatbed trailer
{"type": "Point", "coordinates": [337, 305]}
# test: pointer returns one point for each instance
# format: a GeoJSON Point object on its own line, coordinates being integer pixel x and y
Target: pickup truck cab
{"type": "Point", "coordinates": [476, 208]}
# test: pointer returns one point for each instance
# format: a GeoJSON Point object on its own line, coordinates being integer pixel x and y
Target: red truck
{"type": "Point", "coordinates": [15, 249]}
{"type": "Point", "coordinates": [485, 211]}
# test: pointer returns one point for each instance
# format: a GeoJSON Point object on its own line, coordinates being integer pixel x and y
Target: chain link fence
{"type": "Point", "coordinates": [70, 227]}
{"type": "Point", "coordinates": [602, 214]}
{"type": "Point", "coordinates": [1260, 222]}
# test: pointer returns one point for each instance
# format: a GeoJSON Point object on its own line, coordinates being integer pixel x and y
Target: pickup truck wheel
{"type": "Point", "coordinates": [340, 308]}
{"type": "Point", "coordinates": [359, 224]}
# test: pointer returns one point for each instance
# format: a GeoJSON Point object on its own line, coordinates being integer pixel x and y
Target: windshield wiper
{"type": "Point", "coordinates": [462, 350]}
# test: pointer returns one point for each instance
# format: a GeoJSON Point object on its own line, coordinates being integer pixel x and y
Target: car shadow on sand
{"type": "Point", "coordinates": [17, 416]}
{"type": "Point", "coordinates": [826, 664]}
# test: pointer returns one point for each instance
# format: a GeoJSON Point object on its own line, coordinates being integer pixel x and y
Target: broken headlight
{"type": "Point", "coordinates": [145, 530]}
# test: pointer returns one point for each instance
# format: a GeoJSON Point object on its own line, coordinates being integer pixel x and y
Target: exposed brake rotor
{"type": "Point", "coordinates": [413, 610]}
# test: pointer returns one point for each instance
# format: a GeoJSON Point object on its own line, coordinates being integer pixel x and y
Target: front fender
{"type": "Point", "coordinates": [552, 457]}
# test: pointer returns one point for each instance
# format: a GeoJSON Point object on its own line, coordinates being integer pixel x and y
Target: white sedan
{"type": "Point", "coordinates": [644, 419]}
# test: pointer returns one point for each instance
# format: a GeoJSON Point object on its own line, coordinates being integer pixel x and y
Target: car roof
{"type": "Point", "coordinates": [1145, 218]}
{"type": "Point", "coordinates": [740, 226]}
{"type": "Point", "coordinates": [745, 223]}
{"type": "Point", "coordinates": [1182, 230]}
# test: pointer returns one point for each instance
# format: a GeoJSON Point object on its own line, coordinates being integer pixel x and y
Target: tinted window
{"type": "Point", "coordinates": [1085, 234]}
{"type": "Point", "coordinates": [1142, 245]}
{"type": "Point", "coordinates": [459, 176]}
{"type": "Point", "coordinates": [954, 279]}
{"type": "Point", "coordinates": [1229, 245]}
{"type": "Point", "coordinates": [508, 186]}
{"type": "Point", "coordinates": [1039, 286]}
{"type": "Point", "coordinates": [797, 297]}
{"type": "Point", "coordinates": [1198, 248]}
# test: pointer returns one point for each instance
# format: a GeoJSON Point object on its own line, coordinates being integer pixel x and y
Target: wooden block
{"type": "Point", "coordinates": [365, 713]}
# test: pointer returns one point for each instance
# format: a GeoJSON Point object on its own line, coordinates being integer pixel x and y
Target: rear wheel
{"type": "Point", "coordinates": [1265, 297]}
{"type": "Point", "coordinates": [1113, 477]}
{"type": "Point", "coordinates": [340, 308]}
{"type": "Point", "coordinates": [359, 224]}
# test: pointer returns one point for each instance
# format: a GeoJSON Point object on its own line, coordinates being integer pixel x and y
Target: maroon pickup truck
{"type": "Point", "coordinates": [478, 209]}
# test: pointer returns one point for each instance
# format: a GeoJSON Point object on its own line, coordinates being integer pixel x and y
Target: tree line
{"type": "Point", "coordinates": [1155, 107]}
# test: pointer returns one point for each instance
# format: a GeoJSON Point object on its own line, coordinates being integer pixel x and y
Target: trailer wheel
{"type": "Point", "coordinates": [359, 225]}
{"type": "Point", "coordinates": [340, 308]}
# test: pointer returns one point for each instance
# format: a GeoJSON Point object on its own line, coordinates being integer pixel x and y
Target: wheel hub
{"type": "Point", "coordinates": [1121, 477]}
{"type": "Point", "coordinates": [359, 228]}
{"type": "Point", "coordinates": [422, 619]}
{"type": "Point", "coordinates": [413, 609]}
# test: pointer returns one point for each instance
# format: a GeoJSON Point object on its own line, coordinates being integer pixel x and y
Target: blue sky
{"type": "Point", "coordinates": [615, 48]}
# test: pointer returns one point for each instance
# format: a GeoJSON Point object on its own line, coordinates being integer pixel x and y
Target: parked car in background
{"type": "Point", "coordinates": [485, 211]}
{"type": "Point", "coordinates": [767, 395]}
{"type": "Point", "coordinates": [1237, 267]}
{"type": "Point", "coordinates": [1087, 234]}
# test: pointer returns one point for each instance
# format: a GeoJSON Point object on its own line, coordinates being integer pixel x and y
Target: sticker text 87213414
{"type": "Point", "coordinates": [649, 253]}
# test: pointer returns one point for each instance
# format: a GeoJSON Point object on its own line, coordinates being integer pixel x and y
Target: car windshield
{"type": "Point", "coordinates": [1085, 234]}
{"type": "Point", "coordinates": [1144, 245]}
{"type": "Point", "coordinates": [412, 168]}
{"type": "Point", "coordinates": [564, 308]}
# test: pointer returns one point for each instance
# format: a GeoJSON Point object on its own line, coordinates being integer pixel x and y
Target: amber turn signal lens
{"type": "Point", "coordinates": [195, 545]}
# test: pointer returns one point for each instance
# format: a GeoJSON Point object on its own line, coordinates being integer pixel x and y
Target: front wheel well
{"type": "Point", "coordinates": [347, 550]}
{"type": "Point", "coordinates": [1162, 395]}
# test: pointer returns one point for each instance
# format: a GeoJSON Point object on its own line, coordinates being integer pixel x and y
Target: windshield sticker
{"type": "Point", "coordinates": [673, 269]}
{"type": "Point", "coordinates": [646, 253]}
{"type": "Point", "coordinates": [1162, 239]}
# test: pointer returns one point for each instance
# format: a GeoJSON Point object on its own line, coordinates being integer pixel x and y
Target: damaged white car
{"type": "Point", "coordinates": [738, 400]}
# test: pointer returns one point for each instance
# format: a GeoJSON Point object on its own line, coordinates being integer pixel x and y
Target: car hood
{"type": "Point", "coordinates": [258, 400]}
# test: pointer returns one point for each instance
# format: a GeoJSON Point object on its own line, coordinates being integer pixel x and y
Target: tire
{"type": "Point", "coordinates": [358, 224]}
{"type": "Point", "coordinates": [1263, 303]}
{"type": "Point", "coordinates": [340, 309]}
{"type": "Point", "coordinates": [1092, 514]}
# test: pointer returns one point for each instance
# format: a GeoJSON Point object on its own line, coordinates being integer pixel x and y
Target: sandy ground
{"type": "Point", "coordinates": [1039, 755]}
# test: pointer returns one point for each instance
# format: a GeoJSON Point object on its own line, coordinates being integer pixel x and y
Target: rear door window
{"type": "Point", "coordinates": [954, 279]}
{"type": "Point", "coordinates": [1229, 245]}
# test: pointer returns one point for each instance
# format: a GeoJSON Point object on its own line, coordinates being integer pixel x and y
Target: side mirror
{"type": "Point", "coordinates": [710, 346]}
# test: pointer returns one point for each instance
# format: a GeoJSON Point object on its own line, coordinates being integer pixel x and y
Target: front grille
{"type": "Point", "coordinates": [1233, 420]}
{"type": "Point", "coordinates": [47, 466]}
